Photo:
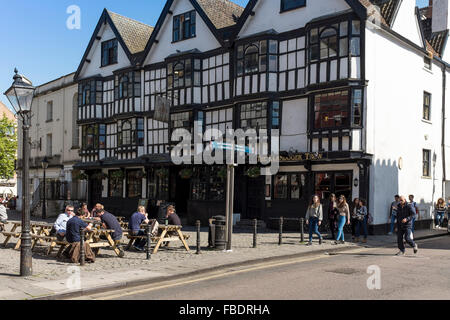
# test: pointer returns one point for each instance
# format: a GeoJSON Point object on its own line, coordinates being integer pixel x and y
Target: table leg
{"type": "Point", "coordinates": [180, 235]}
{"type": "Point", "coordinates": [129, 244]}
{"type": "Point", "coordinates": [61, 249]}
{"type": "Point", "coordinates": [19, 242]}
{"type": "Point", "coordinates": [50, 248]}
{"type": "Point", "coordinates": [163, 234]}
{"type": "Point", "coordinates": [113, 244]}
{"type": "Point", "coordinates": [13, 229]}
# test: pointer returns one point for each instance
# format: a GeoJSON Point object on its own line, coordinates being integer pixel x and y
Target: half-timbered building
{"type": "Point", "coordinates": [357, 89]}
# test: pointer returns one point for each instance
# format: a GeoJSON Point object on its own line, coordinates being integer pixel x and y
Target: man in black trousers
{"type": "Point", "coordinates": [405, 216]}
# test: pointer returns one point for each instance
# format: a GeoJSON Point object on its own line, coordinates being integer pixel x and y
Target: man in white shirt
{"type": "Point", "coordinates": [61, 223]}
{"type": "Point", "coordinates": [3, 214]}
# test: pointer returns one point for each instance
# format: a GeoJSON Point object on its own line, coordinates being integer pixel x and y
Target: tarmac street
{"type": "Point", "coordinates": [362, 273]}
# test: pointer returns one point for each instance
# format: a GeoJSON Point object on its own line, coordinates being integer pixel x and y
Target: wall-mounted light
{"type": "Point", "coordinates": [356, 182]}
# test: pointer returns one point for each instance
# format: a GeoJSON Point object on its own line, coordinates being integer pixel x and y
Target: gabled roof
{"type": "Point", "coordinates": [217, 14]}
{"type": "Point", "coordinates": [131, 34]}
{"type": "Point", "coordinates": [135, 34]}
{"type": "Point", "coordinates": [435, 41]}
{"type": "Point", "coordinates": [356, 5]}
{"type": "Point", "coordinates": [221, 12]}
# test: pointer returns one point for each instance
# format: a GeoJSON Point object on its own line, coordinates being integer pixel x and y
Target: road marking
{"type": "Point", "coordinates": [225, 274]}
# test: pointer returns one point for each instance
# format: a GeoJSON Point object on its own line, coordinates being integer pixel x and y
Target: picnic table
{"type": "Point", "coordinates": [12, 233]}
{"type": "Point", "coordinates": [167, 234]}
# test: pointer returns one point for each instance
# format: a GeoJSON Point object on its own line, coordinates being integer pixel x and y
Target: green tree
{"type": "Point", "coordinates": [8, 147]}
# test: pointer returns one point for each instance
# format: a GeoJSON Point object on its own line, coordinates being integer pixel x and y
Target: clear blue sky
{"type": "Point", "coordinates": [35, 38]}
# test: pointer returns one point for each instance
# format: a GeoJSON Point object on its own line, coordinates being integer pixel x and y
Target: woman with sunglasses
{"type": "Point", "coordinates": [344, 216]}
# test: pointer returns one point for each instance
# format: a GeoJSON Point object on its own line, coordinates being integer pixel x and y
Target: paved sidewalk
{"type": "Point", "coordinates": [51, 277]}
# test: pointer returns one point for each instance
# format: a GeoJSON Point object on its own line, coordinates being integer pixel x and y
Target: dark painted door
{"type": "Point", "coordinates": [95, 191]}
{"type": "Point", "coordinates": [255, 198]}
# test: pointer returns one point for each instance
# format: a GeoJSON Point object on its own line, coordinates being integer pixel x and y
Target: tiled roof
{"type": "Point", "coordinates": [135, 34]}
{"type": "Point", "coordinates": [221, 12]}
{"type": "Point", "coordinates": [373, 12]}
{"type": "Point", "coordinates": [437, 40]}
{"type": "Point", "coordinates": [387, 9]}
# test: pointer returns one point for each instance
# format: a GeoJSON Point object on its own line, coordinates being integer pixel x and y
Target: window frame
{"type": "Point", "coordinates": [426, 107]}
{"type": "Point", "coordinates": [180, 25]}
{"type": "Point", "coordinates": [49, 111]}
{"type": "Point", "coordinates": [426, 163]}
{"type": "Point", "coordinates": [110, 49]}
{"type": "Point", "coordinates": [114, 186]}
{"type": "Point", "coordinates": [301, 4]}
{"type": "Point", "coordinates": [128, 182]}
{"type": "Point", "coordinates": [289, 186]}
{"type": "Point", "coordinates": [267, 51]}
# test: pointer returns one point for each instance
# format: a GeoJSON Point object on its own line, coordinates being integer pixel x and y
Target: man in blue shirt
{"type": "Point", "coordinates": [61, 222]}
{"type": "Point", "coordinates": [110, 222]}
{"type": "Point", "coordinates": [73, 236]}
{"type": "Point", "coordinates": [393, 213]}
{"type": "Point", "coordinates": [136, 220]}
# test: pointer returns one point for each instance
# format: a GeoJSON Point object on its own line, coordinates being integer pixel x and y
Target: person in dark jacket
{"type": "Point", "coordinates": [333, 214]}
{"type": "Point", "coordinates": [405, 215]}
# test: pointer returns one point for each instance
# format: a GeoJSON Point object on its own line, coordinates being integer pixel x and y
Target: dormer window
{"type": "Point", "coordinates": [287, 5]}
{"type": "Point", "coordinates": [184, 26]}
{"type": "Point", "coordinates": [109, 52]}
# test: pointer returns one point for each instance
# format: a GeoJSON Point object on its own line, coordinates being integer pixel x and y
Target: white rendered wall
{"type": "Point", "coordinates": [203, 41]}
{"type": "Point", "coordinates": [95, 55]}
{"type": "Point", "coordinates": [441, 13]}
{"type": "Point", "coordinates": [397, 81]}
{"type": "Point", "coordinates": [406, 22]}
{"type": "Point", "coordinates": [267, 15]}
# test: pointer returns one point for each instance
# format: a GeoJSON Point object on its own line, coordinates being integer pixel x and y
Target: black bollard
{"type": "Point", "coordinates": [302, 230]}
{"type": "Point", "coordinates": [255, 231]}
{"type": "Point", "coordinates": [280, 237]}
{"type": "Point", "coordinates": [149, 241]}
{"type": "Point", "coordinates": [82, 253]}
{"type": "Point", "coordinates": [198, 224]}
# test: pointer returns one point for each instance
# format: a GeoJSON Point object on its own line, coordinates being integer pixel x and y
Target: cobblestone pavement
{"type": "Point", "coordinates": [50, 276]}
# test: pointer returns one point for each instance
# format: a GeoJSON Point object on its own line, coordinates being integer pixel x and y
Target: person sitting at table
{"type": "Point", "coordinates": [97, 207]}
{"type": "Point", "coordinates": [110, 222]}
{"type": "Point", "coordinates": [174, 219]}
{"type": "Point", "coordinates": [59, 228]}
{"type": "Point", "coordinates": [136, 220]}
{"type": "Point", "coordinates": [73, 236]}
{"type": "Point", "coordinates": [3, 214]}
{"type": "Point", "coordinates": [86, 213]}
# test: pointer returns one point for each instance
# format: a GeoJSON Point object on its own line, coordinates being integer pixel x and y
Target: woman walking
{"type": "Point", "coordinates": [333, 214]}
{"type": "Point", "coordinates": [353, 216]}
{"type": "Point", "coordinates": [361, 219]}
{"type": "Point", "coordinates": [439, 212]}
{"type": "Point", "coordinates": [344, 217]}
{"type": "Point", "coordinates": [314, 217]}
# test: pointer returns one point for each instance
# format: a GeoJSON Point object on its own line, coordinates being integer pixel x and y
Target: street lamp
{"type": "Point", "coordinates": [21, 95]}
{"type": "Point", "coordinates": [44, 164]}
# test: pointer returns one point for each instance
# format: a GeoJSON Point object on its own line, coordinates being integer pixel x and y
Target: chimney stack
{"type": "Point", "coordinates": [441, 17]}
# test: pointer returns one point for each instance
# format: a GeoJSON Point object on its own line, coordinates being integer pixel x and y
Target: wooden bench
{"type": "Point", "coordinates": [155, 239]}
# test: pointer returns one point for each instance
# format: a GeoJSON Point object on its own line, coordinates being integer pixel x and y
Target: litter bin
{"type": "Point", "coordinates": [220, 233]}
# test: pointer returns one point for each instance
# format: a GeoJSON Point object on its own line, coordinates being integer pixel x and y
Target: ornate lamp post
{"type": "Point", "coordinates": [44, 164]}
{"type": "Point", "coordinates": [21, 95]}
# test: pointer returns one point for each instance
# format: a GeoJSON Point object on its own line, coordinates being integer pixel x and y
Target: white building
{"type": "Point", "coordinates": [54, 135]}
{"type": "Point", "coordinates": [358, 89]}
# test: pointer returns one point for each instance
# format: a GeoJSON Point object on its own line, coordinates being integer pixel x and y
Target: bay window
{"type": "Point", "coordinates": [260, 56]}
{"type": "Point", "coordinates": [131, 132]}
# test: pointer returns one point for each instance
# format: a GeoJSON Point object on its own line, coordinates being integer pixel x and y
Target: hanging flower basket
{"type": "Point", "coordinates": [222, 173]}
{"type": "Point", "coordinates": [162, 173]}
{"type": "Point", "coordinates": [99, 176]}
{"type": "Point", "coordinates": [117, 175]}
{"type": "Point", "coordinates": [80, 176]}
{"type": "Point", "coordinates": [186, 173]}
{"type": "Point", "coordinates": [254, 172]}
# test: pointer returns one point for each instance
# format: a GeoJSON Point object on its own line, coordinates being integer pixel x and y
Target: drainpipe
{"type": "Point", "coordinates": [444, 85]}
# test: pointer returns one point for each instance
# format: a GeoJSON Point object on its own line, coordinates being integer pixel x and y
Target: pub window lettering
{"type": "Point", "coordinates": [184, 26]}
{"type": "Point", "coordinates": [109, 52]}
{"type": "Point", "coordinates": [292, 4]}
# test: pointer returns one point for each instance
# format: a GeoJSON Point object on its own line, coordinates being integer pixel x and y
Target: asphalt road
{"type": "Point", "coordinates": [342, 276]}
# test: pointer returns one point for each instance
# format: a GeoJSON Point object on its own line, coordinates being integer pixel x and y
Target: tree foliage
{"type": "Point", "coordinates": [8, 147]}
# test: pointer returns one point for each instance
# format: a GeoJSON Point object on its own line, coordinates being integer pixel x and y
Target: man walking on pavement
{"type": "Point", "coordinates": [405, 215]}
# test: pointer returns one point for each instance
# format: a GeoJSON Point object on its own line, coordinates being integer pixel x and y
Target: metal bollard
{"type": "Point", "coordinates": [280, 236]}
{"type": "Point", "coordinates": [149, 241]}
{"type": "Point", "coordinates": [255, 231]}
{"type": "Point", "coordinates": [302, 230]}
{"type": "Point", "coordinates": [82, 253]}
{"type": "Point", "coordinates": [198, 224]}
